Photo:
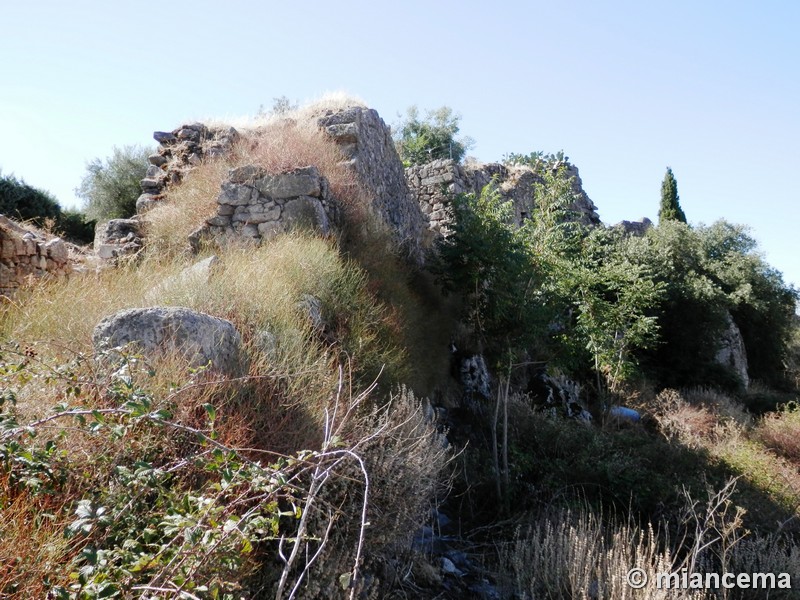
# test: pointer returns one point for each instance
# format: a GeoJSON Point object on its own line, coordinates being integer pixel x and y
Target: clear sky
{"type": "Point", "coordinates": [710, 88]}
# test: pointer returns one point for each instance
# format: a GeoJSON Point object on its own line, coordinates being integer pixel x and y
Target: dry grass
{"type": "Point", "coordinates": [288, 144]}
{"type": "Point", "coordinates": [259, 290]}
{"type": "Point", "coordinates": [579, 556]}
{"type": "Point", "coordinates": [34, 552]}
{"type": "Point", "coordinates": [710, 421]}
{"type": "Point", "coordinates": [327, 102]}
{"type": "Point", "coordinates": [186, 208]}
{"type": "Point", "coordinates": [780, 431]}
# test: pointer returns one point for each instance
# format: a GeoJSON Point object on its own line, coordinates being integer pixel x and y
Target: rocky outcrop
{"type": "Point", "coordinates": [117, 238]}
{"type": "Point", "coordinates": [731, 352]}
{"type": "Point", "coordinates": [27, 255]}
{"type": "Point", "coordinates": [367, 143]}
{"type": "Point", "coordinates": [166, 331]}
{"type": "Point", "coordinates": [255, 205]}
{"type": "Point", "coordinates": [435, 184]}
{"type": "Point", "coordinates": [180, 151]}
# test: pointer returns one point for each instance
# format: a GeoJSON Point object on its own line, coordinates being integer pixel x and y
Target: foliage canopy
{"type": "Point", "coordinates": [419, 141]}
{"type": "Point", "coordinates": [23, 202]}
{"type": "Point", "coordinates": [111, 187]}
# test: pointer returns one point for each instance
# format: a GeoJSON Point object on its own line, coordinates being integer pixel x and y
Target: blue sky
{"type": "Point", "coordinates": [711, 88]}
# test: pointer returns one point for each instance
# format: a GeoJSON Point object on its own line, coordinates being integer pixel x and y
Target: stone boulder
{"type": "Point", "coordinates": [159, 331]}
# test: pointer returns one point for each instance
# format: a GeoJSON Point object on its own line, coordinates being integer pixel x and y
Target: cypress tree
{"type": "Point", "coordinates": [670, 209]}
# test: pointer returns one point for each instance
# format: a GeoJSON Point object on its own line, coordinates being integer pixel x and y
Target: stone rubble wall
{"type": "Point", "coordinates": [436, 184]}
{"type": "Point", "coordinates": [636, 228]}
{"type": "Point", "coordinates": [26, 255]}
{"type": "Point", "coordinates": [254, 205]}
{"type": "Point", "coordinates": [180, 151]}
{"type": "Point", "coordinates": [118, 238]}
{"type": "Point", "coordinates": [366, 141]}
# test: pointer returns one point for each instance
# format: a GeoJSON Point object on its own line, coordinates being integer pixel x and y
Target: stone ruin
{"type": "Point", "coordinates": [637, 228]}
{"type": "Point", "coordinates": [436, 184]}
{"type": "Point", "coordinates": [27, 255]}
{"type": "Point", "coordinates": [255, 205]}
{"type": "Point", "coordinates": [180, 151]}
{"type": "Point", "coordinates": [414, 203]}
{"type": "Point", "coordinates": [366, 141]}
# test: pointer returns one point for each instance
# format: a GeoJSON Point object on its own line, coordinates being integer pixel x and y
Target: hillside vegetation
{"type": "Point", "coordinates": [347, 460]}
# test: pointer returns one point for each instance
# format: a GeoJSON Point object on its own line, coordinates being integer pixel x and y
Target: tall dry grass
{"type": "Point", "coordinates": [780, 431]}
{"type": "Point", "coordinates": [579, 555]}
{"type": "Point", "coordinates": [712, 422]}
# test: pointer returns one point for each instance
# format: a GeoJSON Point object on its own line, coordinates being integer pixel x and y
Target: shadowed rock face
{"type": "Point", "coordinates": [159, 331]}
{"type": "Point", "coordinates": [731, 352]}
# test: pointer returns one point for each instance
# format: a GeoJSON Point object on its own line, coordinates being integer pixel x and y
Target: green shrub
{"type": "Point", "coordinates": [73, 226]}
{"type": "Point", "coordinates": [419, 141]}
{"type": "Point", "coordinates": [23, 202]}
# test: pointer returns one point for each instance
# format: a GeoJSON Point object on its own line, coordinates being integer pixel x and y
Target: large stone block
{"type": "Point", "coordinates": [299, 182]}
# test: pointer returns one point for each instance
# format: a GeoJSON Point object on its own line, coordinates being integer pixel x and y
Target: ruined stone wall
{"type": "Point", "coordinates": [26, 255]}
{"type": "Point", "coordinates": [254, 205]}
{"type": "Point", "coordinates": [179, 152]}
{"type": "Point", "coordinates": [435, 184]}
{"type": "Point", "coordinates": [367, 142]}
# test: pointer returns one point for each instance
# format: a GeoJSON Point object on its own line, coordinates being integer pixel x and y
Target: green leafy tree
{"type": "Point", "coordinates": [23, 202]}
{"type": "Point", "coordinates": [111, 187]}
{"type": "Point", "coordinates": [419, 141]}
{"type": "Point", "coordinates": [603, 300]}
{"type": "Point", "coordinates": [537, 160]}
{"type": "Point", "coordinates": [670, 209]}
{"type": "Point", "coordinates": [485, 259]}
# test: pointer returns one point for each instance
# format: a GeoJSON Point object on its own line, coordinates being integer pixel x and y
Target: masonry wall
{"type": "Point", "coordinates": [26, 256]}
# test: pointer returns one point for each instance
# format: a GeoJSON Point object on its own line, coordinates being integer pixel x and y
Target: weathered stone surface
{"type": "Point", "coordinates": [56, 250]}
{"type": "Point", "coordinates": [637, 228]}
{"type": "Point", "coordinates": [305, 212]}
{"type": "Point", "coordinates": [299, 182]}
{"type": "Point", "coordinates": [157, 159]}
{"type": "Point", "coordinates": [731, 352]}
{"type": "Point", "coordinates": [475, 377]}
{"type": "Point", "coordinates": [117, 238]}
{"type": "Point", "coordinates": [182, 150]}
{"type": "Point", "coordinates": [246, 174]}
{"type": "Point", "coordinates": [27, 255]}
{"type": "Point", "coordinates": [364, 138]}
{"type": "Point", "coordinates": [435, 185]}
{"type": "Point", "coordinates": [254, 205]}
{"type": "Point", "coordinates": [147, 201]}
{"type": "Point", "coordinates": [164, 137]}
{"type": "Point", "coordinates": [200, 338]}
